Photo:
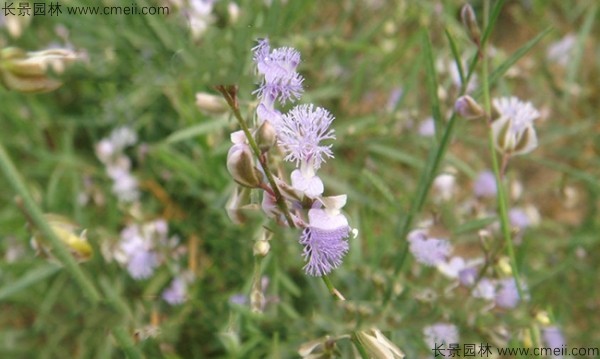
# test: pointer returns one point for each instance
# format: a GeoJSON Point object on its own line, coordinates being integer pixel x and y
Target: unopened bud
{"type": "Point", "coordinates": [29, 71]}
{"type": "Point", "coordinates": [210, 104]}
{"type": "Point", "coordinates": [261, 248]}
{"type": "Point", "coordinates": [468, 108]}
{"type": "Point", "coordinates": [265, 136]}
{"type": "Point", "coordinates": [240, 165]}
{"type": "Point", "coordinates": [469, 20]}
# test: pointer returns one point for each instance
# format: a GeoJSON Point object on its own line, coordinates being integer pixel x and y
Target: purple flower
{"type": "Point", "coordinates": [553, 337]}
{"type": "Point", "coordinates": [300, 133]}
{"type": "Point", "coordinates": [281, 81]}
{"type": "Point", "coordinates": [176, 292]}
{"type": "Point", "coordinates": [324, 241]}
{"type": "Point", "coordinates": [440, 333]}
{"type": "Point", "coordinates": [485, 289]}
{"type": "Point", "coordinates": [141, 264]}
{"type": "Point", "coordinates": [485, 184]}
{"type": "Point", "coordinates": [507, 294]}
{"type": "Point", "coordinates": [429, 251]}
{"type": "Point", "coordinates": [427, 128]}
{"type": "Point", "coordinates": [518, 218]}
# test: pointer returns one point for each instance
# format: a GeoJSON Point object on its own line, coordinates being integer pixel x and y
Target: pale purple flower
{"type": "Point", "coordinates": [122, 137]}
{"type": "Point", "coordinates": [521, 113]}
{"type": "Point", "coordinates": [324, 241]}
{"type": "Point", "coordinates": [136, 249]}
{"type": "Point", "coordinates": [440, 333]}
{"type": "Point", "coordinates": [458, 268]}
{"type": "Point", "coordinates": [468, 275]}
{"type": "Point", "coordinates": [427, 128]}
{"type": "Point", "coordinates": [307, 182]}
{"type": "Point", "coordinates": [518, 218]}
{"type": "Point", "coordinates": [507, 294]}
{"type": "Point", "coordinates": [176, 293]}
{"type": "Point", "coordinates": [485, 289]}
{"type": "Point", "coordinates": [428, 251]}
{"type": "Point", "coordinates": [118, 166]}
{"type": "Point", "coordinates": [141, 264]}
{"type": "Point", "coordinates": [281, 81]}
{"type": "Point", "coordinates": [485, 184]}
{"type": "Point", "coordinates": [300, 133]}
{"type": "Point", "coordinates": [553, 337]}
{"type": "Point", "coordinates": [561, 52]}
{"type": "Point", "coordinates": [393, 98]}
{"type": "Point", "coordinates": [238, 299]}
{"type": "Point", "coordinates": [444, 185]}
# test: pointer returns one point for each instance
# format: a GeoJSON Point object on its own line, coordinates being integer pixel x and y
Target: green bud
{"type": "Point", "coordinates": [265, 136]}
{"type": "Point", "coordinates": [469, 20]}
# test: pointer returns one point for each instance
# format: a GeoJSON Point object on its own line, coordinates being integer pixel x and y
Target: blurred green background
{"type": "Point", "coordinates": [144, 72]}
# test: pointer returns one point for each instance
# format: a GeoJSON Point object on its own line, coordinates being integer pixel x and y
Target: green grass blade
{"type": "Point", "coordinates": [456, 55]}
{"type": "Point", "coordinates": [30, 278]}
{"type": "Point", "coordinates": [432, 85]}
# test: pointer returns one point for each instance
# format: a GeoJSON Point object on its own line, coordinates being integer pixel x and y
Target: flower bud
{"type": "Point", "coordinates": [265, 136]}
{"type": "Point", "coordinates": [378, 346]}
{"type": "Point", "coordinates": [261, 248]}
{"type": "Point", "coordinates": [238, 206]}
{"type": "Point", "coordinates": [210, 104]}
{"type": "Point", "coordinates": [469, 20]}
{"type": "Point", "coordinates": [29, 71]}
{"type": "Point", "coordinates": [467, 108]}
{"type": "Point", "coordinates": [240, 165]}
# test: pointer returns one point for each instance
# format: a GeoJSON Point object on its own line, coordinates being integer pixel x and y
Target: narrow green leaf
{"type": "Point", "coordinates": [30, 278]}
{"type": "Point", "coordinates": [196, 130]}
{"type": "Point", "coordinates": [574, 64]}
{"type": "Point", "coordinates": [456, 55]}
{"type": "Point", "coordinates": [396, 154]}
{"type": "Point", "coordinates": [431, 81]}
{"type": "Point", "coordinates": [500, 70]}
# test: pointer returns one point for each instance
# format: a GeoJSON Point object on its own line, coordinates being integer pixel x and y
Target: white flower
{"type": "Point", "coordinates": [513, 130]}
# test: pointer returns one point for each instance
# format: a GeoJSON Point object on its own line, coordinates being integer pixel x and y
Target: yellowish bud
{"type": "Point", "coordinates": [210, 104]}
{"type": "Point", "coordinates": [30, 72]}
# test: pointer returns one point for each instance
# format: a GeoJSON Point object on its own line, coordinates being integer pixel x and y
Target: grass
{"type": "Point", "coordinates": [354, 55]}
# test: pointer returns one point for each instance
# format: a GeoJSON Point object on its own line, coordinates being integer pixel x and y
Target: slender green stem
{"type": "Point", "coordinates": [501, 192]}
{"type": "Point", "coordinates": [232, 102]}
{"type": "Point", "coordinates": [58, 247]}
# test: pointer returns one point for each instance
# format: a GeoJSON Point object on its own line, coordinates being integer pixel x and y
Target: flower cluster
{"type": "Point", "coordinates": [110, 152]}
{"type": "Point", "coordinates": [301, 134]}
